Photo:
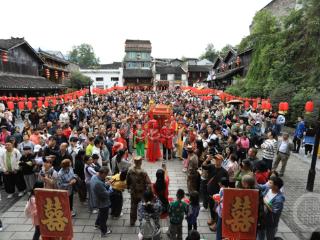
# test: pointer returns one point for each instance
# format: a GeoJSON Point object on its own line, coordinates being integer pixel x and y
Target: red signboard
{"type": "Point", "coordinates": [54, 214]}
{"type": "Point", "coordinates": [240, 213]}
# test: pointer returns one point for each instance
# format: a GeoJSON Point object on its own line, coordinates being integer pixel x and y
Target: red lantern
{"type": "Point", "coordinates": [46, 103]}
{"type": "Point", "coordinates": [39, 103]}
{"type": "Point", "coordinates": [62, 75]}
{"type": "Point", "coordinates": [29, 105]}
{"type": "Point", "coordinates": [21, 105]}
{"type": "Point", "coordinates": [56, 74]}
{"type": "Point", "coordinates": [246, 104]}
{"type": "Point", "coordinates": [4, 57]}
{"type": "Point", "coordinates": [10, 105]}
{"type": "Point", "coordinates": [47, 72]}
{"type": "Point", "coordinates": [309, 107]}
{"type": "Point", "coordinates": [54, 102]}
{"type": "Point", "coordinates": [254, 104]}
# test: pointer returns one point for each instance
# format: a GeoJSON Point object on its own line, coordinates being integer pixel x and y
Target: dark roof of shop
{"type": "Point", "coordinates": [137, 73]}
{"type": "Point", "coordinates": [25, 82]}
{"type": "Point", "coordinates": [169, 70]}
{"type": "Point", "coordinates": [198, 68]}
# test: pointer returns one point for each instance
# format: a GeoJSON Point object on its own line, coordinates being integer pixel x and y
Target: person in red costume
{"type": "Point", "coordinates": [153, 153]}
{"type": "Point", "coordinates": [167, 134]}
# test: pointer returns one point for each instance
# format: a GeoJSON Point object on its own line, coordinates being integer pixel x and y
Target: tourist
{"type": "Point", "coordinates": [177, 211]}
{"type": "Point", "coordinates": [215, 173]}
{"type": "Point", "coordinates": [100, 193]}
{"type": "Point", "coordinates": [245, 169]}
{"type": "Point", "coordinates": [31, 210]}
{"type": "Point", "coordinates": [149, 217]}
{"type": "Point", "coordinates": [138, 182]}
{"type": "Point", "coordinates": [309, 140]}
{"type": "Point", "coordinates": [232, 168]}
{"type": "Point", "coordinates": [48, 175]}
{"type": "Point", "coordinates": [269, 149]}
{"type": "Point", "coordinates": [284, 149]}
{"type": "Point", "coordinates": [298, 134]}
{"type": "Point", "coordinates": [4, 135]}
{"type": "Point", "coordinates": [26, 142]}
{"type": "Point", "coordinates": [118, 183]}
{"type": "Point", "coordinates": [223, 183]}
{"type": "Point", "coordinates": [66, 180]}
{"type": "Point", "coordinates": [12, 176]}
{"type": "Point", "coordinates": [193, 211]}
{"type": "Point", "coordinates": [192, 171]}
{"type": "Point", "coordinates": [27, 165]}
{"type": "Point", "coordinates": [273, 202]}
{"type": "Point", "coordinates": [119, 162]}
{"type": "Point", "coordinates": [161, 189]}
{"type": "Point", "coordinates": [79, 165]}
{"type": "Point", "coordinates": [262, 173]}
{"type": "Point", "coordinates": [89, 172]}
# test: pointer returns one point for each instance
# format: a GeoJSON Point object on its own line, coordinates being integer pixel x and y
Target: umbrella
{"type": "Point", "coordinates": [235, 102]}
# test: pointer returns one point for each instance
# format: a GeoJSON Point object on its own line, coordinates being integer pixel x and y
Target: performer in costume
{"type": "Point", "coordinates": [167, 134]}
{"type": "Point", "coordinates": [180, 135]}
{"type": "Point", "coordinates": [139, 138]}
{"type": "Point", "coordinates": [153, 152]}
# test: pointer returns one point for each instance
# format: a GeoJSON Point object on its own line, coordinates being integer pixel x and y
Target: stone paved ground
{"type": "Point", "coordinates": [17, 227]}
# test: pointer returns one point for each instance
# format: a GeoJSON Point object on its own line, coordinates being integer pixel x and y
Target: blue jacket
{"type": "Point", "coordinates": [300, 129]}
{"type": "Point", "coordinates": [273, 217]}
{"type": "Point", "coordinates": [99, 192]}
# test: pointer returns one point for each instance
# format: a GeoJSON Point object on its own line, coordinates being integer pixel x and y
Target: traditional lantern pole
{"type": "Point", "coordinates": [312, 170]}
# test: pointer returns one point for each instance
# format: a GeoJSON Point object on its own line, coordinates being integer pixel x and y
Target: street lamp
{"type": "Point", "coordinates": [312, 170]}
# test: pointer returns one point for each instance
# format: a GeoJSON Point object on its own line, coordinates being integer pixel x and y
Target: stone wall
{"type": "Point", "coordinates": [280, 8]}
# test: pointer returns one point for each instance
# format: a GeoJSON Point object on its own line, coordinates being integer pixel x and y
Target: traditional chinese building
{"type": "Point", "coordinates": [55, 67]}
{"type": "Point", "coordinates": [226, 69]}
{"type": "Point", "coordinates": [20, 65]}
{"type": "Point", "coordinates": [137, 64]}
{"type": "Point", "coordinates": [169, 77]}
{"type": "Point", "coordinates": [105, 76]}
{"type": "Point", "coordinates": [197, 74]}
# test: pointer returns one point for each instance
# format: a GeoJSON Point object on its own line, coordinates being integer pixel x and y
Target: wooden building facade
{"type": "Point", "coordinates": [20, 66]}
{"type": "Point", "coordinates": [226, 69]}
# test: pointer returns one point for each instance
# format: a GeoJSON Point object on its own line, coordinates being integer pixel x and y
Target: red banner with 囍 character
{"type": "Point", "coordinates": [240, 213]}
{"type": "Point", "coordinates": [54, 214]}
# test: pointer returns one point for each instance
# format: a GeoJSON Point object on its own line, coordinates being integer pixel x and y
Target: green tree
{"type": "Point", "coordinates": [210, 53]}
{"type": "Point", "coordinates": [223, 52]}
{"type": "Point", "coordinates": [83, 55]}
{"type": "Point", "coordinates": [78, 80]}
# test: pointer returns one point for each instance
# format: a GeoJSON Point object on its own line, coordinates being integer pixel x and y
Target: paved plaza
{"type": "Point", "coordinates": [16, 226]}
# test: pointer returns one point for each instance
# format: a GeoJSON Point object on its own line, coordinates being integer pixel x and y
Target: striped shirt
{"type": "Point", "coordinates": [269, 149]}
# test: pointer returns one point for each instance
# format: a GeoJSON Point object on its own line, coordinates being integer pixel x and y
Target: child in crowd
{"type": "Point", "coordinates": [223, 183]}
{"type": "Point", "coordinates": [30, 210]}
{"type": "Point", "coordinates": [119, 184]}
{"type": "Point", "coordinates": [177, 211]}
{"type": "Point", "coordinates": [193, 211]}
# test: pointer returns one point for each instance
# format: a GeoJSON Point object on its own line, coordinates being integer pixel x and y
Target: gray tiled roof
{"type": "Point", "coordinates": [6, 44]}
{"type": "Point", "coordinates": [169, 70]}
{"type": "Point", "coordinates": [26, 82]}
{"type": "Point", "coordinates": [198, 68]}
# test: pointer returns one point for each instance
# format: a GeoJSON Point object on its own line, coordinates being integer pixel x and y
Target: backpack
{"type": "Point", "coordinates": [149, 231]}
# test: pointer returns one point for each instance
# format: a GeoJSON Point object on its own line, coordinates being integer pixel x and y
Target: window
{"type": "Point", "coordinates": [177, 76]}
{"type": "Point", "coordinates": [99, 79]}
{"type": "Point", "coordinates": [163, 77]}
{"type": "Point", "coordinates": [114, 79]}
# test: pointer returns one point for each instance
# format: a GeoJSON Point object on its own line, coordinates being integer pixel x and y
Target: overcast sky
{"type": "Point", "coordinates": [175, 28]}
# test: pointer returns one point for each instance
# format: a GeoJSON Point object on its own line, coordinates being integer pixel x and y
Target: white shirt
{"type": "Point", "coordinates": [283, 147]}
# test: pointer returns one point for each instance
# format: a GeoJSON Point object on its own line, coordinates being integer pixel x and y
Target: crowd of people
{"type": "Point", "coordinates": [95, 148]}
